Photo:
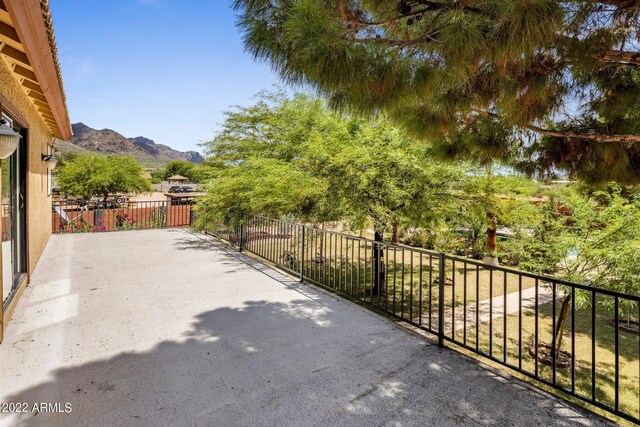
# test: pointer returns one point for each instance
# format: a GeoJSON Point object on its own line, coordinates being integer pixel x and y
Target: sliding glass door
{"type": "Point", "coordinates": [13, 219]}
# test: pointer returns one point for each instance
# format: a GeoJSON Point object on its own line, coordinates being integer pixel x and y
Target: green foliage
{"type": "Point", "coordinates": [123, 221]}
{"type": "Point", "coordinates": [157, 176]}
{"type": "Point", "coordinates": [268, 158]}
{"type": "Point", "coordinates": [89, 175]}
{"type": "Point", "coordinates": [201, 173]}
{"type": "Point", "coordinates": [494, 201]}
{"type": "Point", "coordinates": [382, 177]}
{"type": "Point", "coordinates": [294, 156]}
{"type": "Point", "coordinates": [179, 167]}
{"type": "Point", "coordinates": [585, 239]}
{"type": "Point", "coordinates": [266, 186]}
{"type": "Point", "coordinates": [158, 218]}
{"type": "Point", "coordinates": [80, 224]}
{"type": "Point", "coordinates": [543, 84]}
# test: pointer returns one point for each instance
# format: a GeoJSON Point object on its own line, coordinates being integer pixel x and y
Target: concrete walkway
{"type": "Point", "coordinates": [164, 328]}
{"type": "Point", "coordinates": [455, 319]}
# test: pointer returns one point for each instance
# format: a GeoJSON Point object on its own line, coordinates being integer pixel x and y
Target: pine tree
{"type": "Point", "coordinates": [545, 85]}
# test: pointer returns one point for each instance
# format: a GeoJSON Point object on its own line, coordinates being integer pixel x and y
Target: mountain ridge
{"type": "Point", "coordinates": [109, 142]}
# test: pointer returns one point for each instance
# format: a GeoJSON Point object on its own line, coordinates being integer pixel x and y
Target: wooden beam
{"type": "Point", "coordinates": [45, 112]}
{"type": "Point", "coordinates": [46, 115]}
{"type": "Point", "coordinates": [9, 32]}
{"type": "Point", "coordinates": [2, 6]}
{"type": "Point", "coordinates": [15, 54]}
{"type": "Point", "coordinates": [45, 109]}
{"type": "Point", "coordinates": [32, 86]}
{"type": "Point", "coordinates": [35, 95]}
{"type": "Point", "coordinates": [18, 69]}
{"type": "Point", "coordinates": [40, 103]}
{"type": "Point", "coordinates": [26, 16]}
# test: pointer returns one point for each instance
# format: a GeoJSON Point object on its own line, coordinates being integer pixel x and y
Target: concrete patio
{"type": "Point", "coordinates": [163, 327]}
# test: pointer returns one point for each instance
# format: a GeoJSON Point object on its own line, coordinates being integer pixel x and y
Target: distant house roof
{"type": "Point", "coordinates": [177, 178]}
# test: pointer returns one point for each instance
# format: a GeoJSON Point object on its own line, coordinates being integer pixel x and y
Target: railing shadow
{"type": "Point", "coordinates": [272, 363]}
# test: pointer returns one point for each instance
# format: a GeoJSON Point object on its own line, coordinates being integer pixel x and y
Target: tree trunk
{"type": "Point", "coordinates": [492, 244]}
{"type": "Point", "coordinates": [394, 237]}
{"type": "Point", "coordinates": [378, 263]}
{"type": "Point", "coordinates": [562, 318]}
{"type": "Point", "coordinates": [320, 257]}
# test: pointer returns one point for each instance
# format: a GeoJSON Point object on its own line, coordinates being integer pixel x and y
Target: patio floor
{"type": "Point", "coordinates": [162, 327]}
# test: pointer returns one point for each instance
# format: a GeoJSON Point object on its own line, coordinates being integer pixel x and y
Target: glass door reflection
{"type": "Point", "coordinates": [7, 247]}
{"type": "Point", "coordinates": [13, 220]}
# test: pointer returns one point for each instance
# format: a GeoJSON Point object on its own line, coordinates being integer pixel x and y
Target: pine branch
{"type": "Point", "coordinates": [595, 137]}
{"type": "Point", "coordinates": [622, 57]}
{"type": "Point", "coordinates": [354, 18]}
{"type": "Point", "coordinates": [575, 134]}
{"type": "Point", "coordinates": [620, 4]}
{"type": "Point", "coordinates": [396, 42]}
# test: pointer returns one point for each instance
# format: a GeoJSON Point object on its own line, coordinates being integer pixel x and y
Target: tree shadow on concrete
{"type": "Point", "coordinates": [231, 256]}
{"type": "Point", "coordinates": [310, 361]}
{"type": "Point", "coordinates": [288, 364]}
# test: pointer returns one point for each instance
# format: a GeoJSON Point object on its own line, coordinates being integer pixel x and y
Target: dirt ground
{"type": "Point", "coordinates": [155, 196]}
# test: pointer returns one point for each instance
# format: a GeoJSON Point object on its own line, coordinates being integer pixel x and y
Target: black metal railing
{"type": "Point", "coordinates": [82, 216]}
{"type": "Point", "coordinates": [575, 338]}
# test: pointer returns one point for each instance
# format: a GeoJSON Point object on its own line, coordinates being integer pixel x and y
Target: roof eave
{"type": "Point", "coordinates": [29, 21]}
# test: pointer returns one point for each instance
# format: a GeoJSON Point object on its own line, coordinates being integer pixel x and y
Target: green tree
{"type": "Point", "coordinates": [89, 175]}
{"type": "Point", "coordinates": [266, 186]}
{"type": "Point", "coordinates": [294, 156]}
{"type": "Point", "coordinates": [384, 179]}
{"type": "Point", "coordinates": [158, 175]}
{"type": "Point", "coordinates": [587, 238]}
{"type": "Point", "coordinates": [371, 170]}
{"type": "Point", "coordinates": [203, 173]}
{"type": "Point", "coordinates": [545, 84]}
{"type": "Point", "coordinates": [267, 159]}
{"type": "Point", "coordinates": [180, 167]}
{"type": "Point", "coordinates": [497, 200]}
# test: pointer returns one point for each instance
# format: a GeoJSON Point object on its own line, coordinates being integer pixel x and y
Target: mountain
{"type": "Point", "coordinates": [164, 152]}
{"type": "Point", "coordinates": [107, 141]}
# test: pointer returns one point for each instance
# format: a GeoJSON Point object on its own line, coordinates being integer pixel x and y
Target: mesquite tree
{"type": "Point", "coordinates": [294, 156]}
{"type": "Point", "coordinates": [91, 175]}
{"type": "Point", "coordinates": [544, 84]}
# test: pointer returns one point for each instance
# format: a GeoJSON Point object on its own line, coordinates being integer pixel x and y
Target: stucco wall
{"type": "Point", "coordinates": [16, 102]}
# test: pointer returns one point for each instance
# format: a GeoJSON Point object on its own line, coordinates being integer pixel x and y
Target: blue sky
{"type": "Point", "coordinates": [163, 69]}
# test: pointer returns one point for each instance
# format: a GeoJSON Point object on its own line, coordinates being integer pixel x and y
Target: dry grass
{"type": "Point", "coordinates": [412, 294]}
{"type": "Point", "coordinates": [517, 345]}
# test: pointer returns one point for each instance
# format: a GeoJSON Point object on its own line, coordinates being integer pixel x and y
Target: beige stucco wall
{"type": "Point", "coordinates": [38, 136]}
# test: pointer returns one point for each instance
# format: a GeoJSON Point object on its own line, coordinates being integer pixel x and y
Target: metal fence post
{"type": "Point", "coordinates": [241, 231]}
{"type": "Point", "coordinates": [166, 206]}
{"type": "Point", "coordinates": [441, 278]}
{"type": "Point", "coordinates": [302, 255]}
{"type": "Point", "coordinates": [60, 217]}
